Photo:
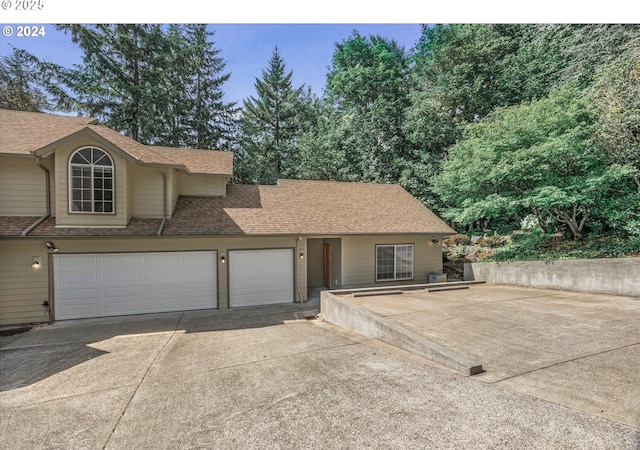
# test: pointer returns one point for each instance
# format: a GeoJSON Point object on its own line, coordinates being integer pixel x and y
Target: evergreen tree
{"type": "Point", "coordinates": [157, 85]}
{"type": "Point", "coordinates": [271, 125]}
{"type": "Point", "coordinates": [19, 87]}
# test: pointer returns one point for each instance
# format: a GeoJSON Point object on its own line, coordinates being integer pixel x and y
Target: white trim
{"type": "Point", "coordinates": [70, 188]}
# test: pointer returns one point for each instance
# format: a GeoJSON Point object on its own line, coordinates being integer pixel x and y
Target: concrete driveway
{"type": "Point", "coordinates": [261, 378]}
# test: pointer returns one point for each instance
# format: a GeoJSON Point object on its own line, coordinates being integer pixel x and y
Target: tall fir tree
{"type": "Point", "coordinates": [158, 85]}
{"type": "Point", "coordinates": [271, 125]}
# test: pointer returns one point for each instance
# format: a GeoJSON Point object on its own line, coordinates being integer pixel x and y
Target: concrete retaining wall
{"type": "Point", "coordinates": [351, 317]}
{"type": "Point", "coordinates": [619, 276]}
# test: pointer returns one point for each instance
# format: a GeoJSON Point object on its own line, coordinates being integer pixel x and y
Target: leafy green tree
{"type": "Point", "coordinates": [470, 69]}
{"type": "Point", "coordinates": [272, 124]}
{"type": "Point", "coordinates": [537, 157]}
{"type": "Point", "coordinates": [19, 87]}
{"type": "Point", "coordinates": [616, 96]}
{"type": "Point", "coordinates": [367, 91]}
{"type": "Point", "coordinates": [583, 48]}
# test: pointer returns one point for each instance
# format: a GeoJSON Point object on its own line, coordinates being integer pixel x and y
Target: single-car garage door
{"type": "Point", "coordinates": [114, 284]}
{"type": "Point", "coordinates": [260, 277]}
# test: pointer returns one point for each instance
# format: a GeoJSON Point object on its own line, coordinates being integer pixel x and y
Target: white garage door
{"type": "Point", "coordinates": [115, 284]}
{"type": "Point", "coordinates": [260, 277]}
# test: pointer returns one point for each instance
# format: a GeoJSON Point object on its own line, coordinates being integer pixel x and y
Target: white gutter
{"type": "Point", "coordinates": [47, 200]}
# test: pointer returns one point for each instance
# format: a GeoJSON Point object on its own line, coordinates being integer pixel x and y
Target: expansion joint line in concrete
{"type": "Point", "coordinates": [567, 361]}
{"type": "Point", "coordinates": [144, 376]}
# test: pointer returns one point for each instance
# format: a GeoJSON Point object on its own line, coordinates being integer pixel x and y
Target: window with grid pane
{"type": "Point", "coordinates": [394, 262]}
{"type": "Point", "coordinates": [91, 186]}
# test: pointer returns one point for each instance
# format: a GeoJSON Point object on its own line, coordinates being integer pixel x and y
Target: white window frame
{"type": "Point", "coordinates": [92, 167]}
{"type": "Point", "coordinates": [396, 247]}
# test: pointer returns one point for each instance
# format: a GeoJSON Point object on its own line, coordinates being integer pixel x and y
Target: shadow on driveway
{"type": "Point", "coordinates": [50, 349]}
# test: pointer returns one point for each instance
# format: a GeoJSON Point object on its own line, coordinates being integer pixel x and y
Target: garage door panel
{"type": "Point", "coordinates": [120, 277]}
{"type": "Point", "coordinates": [260, 277]}
{"type": "Point", "coordinates": [125, 292]}
{"type": "Point", "coordinates": [119, 261]}
{"type": "Point", "coordinates": [160, 276]}
{"type": "Point", "coordinates": [159, 260]}
{"type": "Point", "coordinates": [78, 311]}
{"type": "Point", "coordinates": [78, 279]}
{"type": "Point", "coordinates": [81, 262]}
{"type": "Point", "coordinates": [125, 306]}
{"type": "Point", "coordinates": [119, 284]}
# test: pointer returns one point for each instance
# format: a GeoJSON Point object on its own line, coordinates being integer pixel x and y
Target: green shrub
{"type": "Point", "coordinates": [457, 251]}
{"type": "Point", "coordinates": [493, 241]}
{"type": "Point", "coordinates": [457, 239]}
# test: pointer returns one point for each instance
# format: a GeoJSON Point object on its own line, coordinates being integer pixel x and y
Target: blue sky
{"type": "Point", "coordinates": [246, 48]}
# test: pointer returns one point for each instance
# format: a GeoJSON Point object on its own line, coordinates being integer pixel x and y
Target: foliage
{"type": "Point", "coordinates": [158, 86]}
{"type": "Point", "coordinates": [367, 90]}
{"type": "Point", "coordinates": [494, 241]}
{"type": "Point", "coordinates": [540, 246]}
{"type": "Point", "coordinates": [457, 239]}
{"type": "Point", "coordinates": [535, 157]}
{"type": "Point", "coordinates": [272, 125]}
{"type": "Point", "coordinates": [19, 87]}
{"type": "Point", "coordinates": [457, 251]}
{"type": "Point", "coordinates": [616, 95]}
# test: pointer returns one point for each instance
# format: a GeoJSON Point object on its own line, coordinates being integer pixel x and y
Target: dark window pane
{"type": "Point", "coordinates": [86, 206]}
{"type": "Point", "coordinates": [108, 207]}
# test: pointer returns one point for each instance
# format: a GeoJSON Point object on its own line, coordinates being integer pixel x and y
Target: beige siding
{"type": "Point", "coordinates": [22, 289]}
{"type": "Point", "coordinates": [336, 262]}
{"type": "Point", "coordinates": [63, 216]}
{"type": "Point", "coordinates": [359, 258]}
{"type": "Point", "coordinates": [201, 185]}
{"type": "Point", "coordinates": [22, 187]}
{"type": "Point", "coordinates": [146, 191]}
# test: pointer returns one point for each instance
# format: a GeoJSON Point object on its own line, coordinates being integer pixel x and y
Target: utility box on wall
{"type": "Point", "coordinates": [437, 277]}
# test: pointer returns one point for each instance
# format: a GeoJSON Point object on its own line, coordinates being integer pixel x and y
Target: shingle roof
{"type": "Point", "coordinates": [22, 133]}
{"type": "Point", "coordinates": [305, 207]}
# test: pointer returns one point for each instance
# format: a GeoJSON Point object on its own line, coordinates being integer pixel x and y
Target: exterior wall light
{"type": "Point", "coordinates": [301, 255]}
{"type": "Point", "coordinates": [35, 262]}
{"type": "Point", "coordinates": [435, 241]}
{"type": "Point", "coordinates": [222, 259]}
{"type": "Point", "coordinates": [51, 246]}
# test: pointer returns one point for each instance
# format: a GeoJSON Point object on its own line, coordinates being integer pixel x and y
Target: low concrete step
{"type": "Point", "coordinates": [372, 293]}
{"type": "Point", "coordinates": [446, 288]}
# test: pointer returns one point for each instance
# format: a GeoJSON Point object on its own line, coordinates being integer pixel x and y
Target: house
{"type": "Point", "coordinates": [95, 224]}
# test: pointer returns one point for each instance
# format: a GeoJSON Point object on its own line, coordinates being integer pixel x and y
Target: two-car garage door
{"type": "Point", "coordinates": [114, 284]}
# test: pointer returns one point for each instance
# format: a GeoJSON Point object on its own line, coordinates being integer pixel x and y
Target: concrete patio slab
{"type": "Point", "coordinates": [531, 333]}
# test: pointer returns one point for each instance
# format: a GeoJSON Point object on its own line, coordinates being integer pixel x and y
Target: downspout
{"type": "Point", "coordinates": [164, 202]}
{"type": "Point", "coordinates": [47, 199]}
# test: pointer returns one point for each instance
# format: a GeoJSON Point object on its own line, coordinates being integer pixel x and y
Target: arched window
{"type": "Point", "coordinates": [91, 174]}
